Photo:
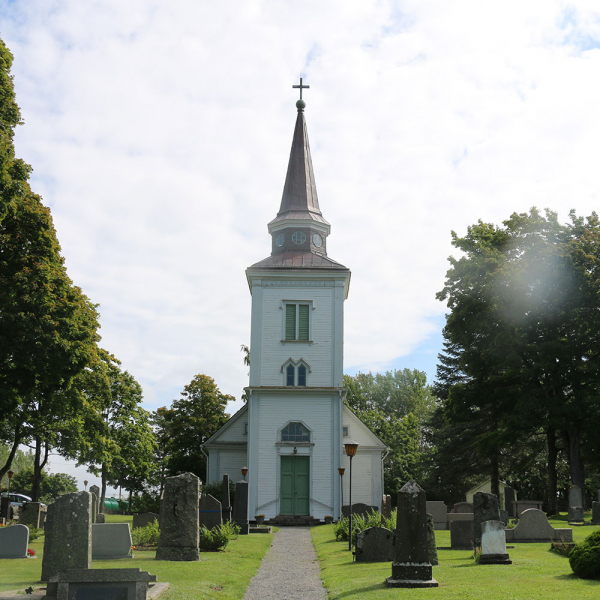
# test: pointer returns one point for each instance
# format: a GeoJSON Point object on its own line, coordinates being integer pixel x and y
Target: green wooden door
{"type": "Point", "coordinates": [295, 485]}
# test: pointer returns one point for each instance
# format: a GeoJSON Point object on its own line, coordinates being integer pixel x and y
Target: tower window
{"type": "Point", "coordinates": [302, 375]}
{"type": "Point", "coordinates": [298, 237]}
{"type": "Point", "coordinates": [295, 432]}
{"type": "Point", "coordinates": [295, 373]}
{"type": "Point", "coordinates": [290, 375]}
{"type": "Point", "coordinates": [297, 321]}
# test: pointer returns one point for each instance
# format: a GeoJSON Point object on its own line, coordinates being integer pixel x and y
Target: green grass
{"type": "Point", "coordinates": [536, 573]}
{"type": "Point", "coordinates": [223, 575]}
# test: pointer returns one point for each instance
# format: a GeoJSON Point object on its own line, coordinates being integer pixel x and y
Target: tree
{"type": "Point", "coordinates": [522, 342]}
{"type": "Point", "coordinates": [190, 421]}
{"type": "Point", "coordinates": [48, 327]}
{"type": "Point", "coordinates": [52, 485]}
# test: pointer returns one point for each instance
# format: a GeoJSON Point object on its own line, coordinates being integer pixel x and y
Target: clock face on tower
{"type": "Point", "coordinates": [317, 240]}
{"type": "Point", "coordinates": [280, 240]}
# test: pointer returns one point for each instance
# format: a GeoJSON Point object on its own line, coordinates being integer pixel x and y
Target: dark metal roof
{"type": "Point", "coordinates": [299, 200]}
{"type": "Point", "coordinates": [298, 260]}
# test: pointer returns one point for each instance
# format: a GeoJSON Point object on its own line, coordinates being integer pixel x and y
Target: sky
{"type": "Point", "coordinates": [159, 134]}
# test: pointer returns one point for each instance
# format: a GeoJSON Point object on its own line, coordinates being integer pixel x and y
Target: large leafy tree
{"type": "Point", "coordinates": [52, 485]}
{"type": "Point", "coordinates": [189, 422]}
{"type": "Point", "coordinates": [48, 327]}
{"type": "Point", "coordinates": [522, 350]}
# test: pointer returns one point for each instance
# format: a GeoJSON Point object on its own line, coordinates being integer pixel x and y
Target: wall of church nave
{"type": "Point", "coordinates": [316, 413]}
{"type": "Point", "coordinates": [236, 431]}
{"type": "Point", "coordinates": [367, 485]}
{"type": "Point", "coordinates": [318, 354]}
{"type": "Point", "coordinates": [226, 460]}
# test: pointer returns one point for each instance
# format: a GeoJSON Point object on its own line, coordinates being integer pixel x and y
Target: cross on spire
{"type": "Point", "coordinates": [302, 87]}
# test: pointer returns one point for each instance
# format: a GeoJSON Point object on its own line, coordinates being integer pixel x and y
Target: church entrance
{"type": "Point", "coordinates": [295, 485]}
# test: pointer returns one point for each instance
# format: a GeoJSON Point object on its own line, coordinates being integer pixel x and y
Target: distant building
{"type": "Point", "coordinates": [292, 432]}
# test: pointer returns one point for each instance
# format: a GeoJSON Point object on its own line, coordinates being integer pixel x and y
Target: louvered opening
{"type": "Point", "coordinates": [290, 322]}
{"type": "Point", "coordinates": [303, 322]}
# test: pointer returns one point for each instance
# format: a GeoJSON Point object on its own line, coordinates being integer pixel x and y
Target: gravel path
{"type": "Point", "coordinates": [290, 570]}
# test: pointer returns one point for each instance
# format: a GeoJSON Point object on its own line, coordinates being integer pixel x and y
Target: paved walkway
{"type": "Point", "coordinates": [290, 570]}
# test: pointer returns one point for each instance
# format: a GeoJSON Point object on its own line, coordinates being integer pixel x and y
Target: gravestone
{"type": "Point", "coordinates": [388, 506]}
{"type": "Point", "coordinates": [461, 535]}
{"type": "Point", "coordinates": [179, 525]}
{"type": "Point", "coordinates": [100, 519]}
{"type": "Point", "coordinates": [595, 513]}
{"type": "Point", "coordinates": [520, 506]}
{"type": "Point", "coordinates": [111, 541]}
{"type": "Point", "coordinates": [101, 584]}
{"type": "Point", "coordinates": [504, 517]}
{"type": "Point", "coordinates": [13, 541]}
{"type": "Point", "coordinates": [240, 508]}
{"type": "Point", "coordinates": [509, 498]}
{"type": "Point", "coordinates": [30, 514]}
{"type": "Point", "coordinates": [359, 509]}
{"type": "Point", "coordinates": [463, 507]}
{"type": "Point", "coordinates": [575, 505]}
{"type": "Point", "coordinates": [533, 526]}
{"type": "Point", "coordinates": [210, 512]}
{"type": "Point", "coordinates": [493, 544]}
{"type": "Point", "coordinates": [4, 507]}
{"type": "Point", "coordinates": [439, 512]}
{"type": "Point", "coordinates": [144, 519]}
{"type": "Point", "coordinates": [485, 508]}
{"type": "Point", "coordinates": [226, 499]}
{"type": "Point", "coordinates": [411, 567]}
{"type": "Point", "coordinates": [375, 544]}
{"type": "Point", "coordinates": [433, 555]}
{"type": "Point", "coordinates": [95, 491]}
{"type": "Point", "coordinates": [68, 534]}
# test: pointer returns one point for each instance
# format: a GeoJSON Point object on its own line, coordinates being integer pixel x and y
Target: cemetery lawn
{"type": "Point", "coordinates": [218, 575]}
{"type": "Point", "coordinates": [536, 573]}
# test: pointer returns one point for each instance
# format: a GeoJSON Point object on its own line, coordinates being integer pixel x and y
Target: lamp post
{"type": "Point", "coordinates": [10, 474]}
{"type": "Point", "coordinates": [244, 472]}
{"type": "Point", "coordinates": [341, 471]}
{"type": "Point", "coordinates": [351, 448]}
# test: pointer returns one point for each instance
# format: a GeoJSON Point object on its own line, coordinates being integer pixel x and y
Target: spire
{"type": "Point", "coordinates": [300, 200]}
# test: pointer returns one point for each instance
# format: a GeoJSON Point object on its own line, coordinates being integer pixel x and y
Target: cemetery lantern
{"type": "Point", "coordinates": [341, 471]}
{"type": "Point", "coordinates": [85, 482]}
{"type": "Point", "coordinates": [351, 448]}
{"type": "Point", "coordinates": [10, 474]}
{"type": "Point", "coordinates": [244, 472]}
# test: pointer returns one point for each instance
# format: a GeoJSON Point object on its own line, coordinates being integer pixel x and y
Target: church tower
{"type": "Point", "coordinates": [291, 433]}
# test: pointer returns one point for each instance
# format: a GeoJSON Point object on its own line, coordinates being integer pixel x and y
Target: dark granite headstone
{"type": "Point", "coordinates": [226, 499]}
{"type": "Point", "coordinates": [240, 508]}
{"type": "Point", "coordinates": [461, 535]}
{"type": "Point", "coordinates": [210, 512]}
{"type": "Point", "coordinates": [509, 498]}
{"type": "Point", "coordinates": [4, 507]}
{"type": "Point", "coordinates": [433, 555]}
{"type": "Point", "coordinates": [375, 544]}
{"type": "Point", "coordinates": [575, 505]}
{"type": "Point", "coordinates": [596, 513]}
{"type": "Point", "coordinates": [504, 517]}
{"type": "Point", "coordinates": [30, 514]}
{"type": "Point", "coordinates": [179, 525]}
{"type": "Point", "coordinates": [411, 567]}
{"type": "Point", "coordinates": [68, 534]}
{"type": "Point", "coordinates": [13, 541]}
{"type": "Point", "coordinates": [144, 519]}
{"type": "Point", "coordinates": [100, 519]}
{"type": "Point", "coordinates": [388, 506]}
{"type": "Point", "coordinates": [485, 508]}
{"type": "Point", "coordinates": [359, 509]}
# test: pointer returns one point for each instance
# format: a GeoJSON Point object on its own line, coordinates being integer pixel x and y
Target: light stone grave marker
{"type": "Point", "coordinates": [493, 544]}
{"type": "Point", "coordinates": [485, 508]}
{"type": "Point", "coordinates": [439, 512]}
{"type": "Point", "coordinates": [111, 541]}
{"type": "Point", "coordinates": [575, 505]}
{"type": "Point", "coordinates": [533, 526]}
{"type": "Point", "coordinates": [13, 541]}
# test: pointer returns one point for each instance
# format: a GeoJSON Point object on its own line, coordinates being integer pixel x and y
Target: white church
{"type": "Point", "coordinates": [291, 433]}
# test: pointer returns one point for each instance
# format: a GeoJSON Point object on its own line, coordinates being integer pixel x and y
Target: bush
{"type": "Point", "coordinates": [147, 536]}
{"type": "Point", "coordinates": [585, 557]}
{"type": "Point", "coordinates": [34, 533]}
{"type": "Point", "coordinates": [217, 538]}
{"type": "Point", "coordinates": [362, 522]}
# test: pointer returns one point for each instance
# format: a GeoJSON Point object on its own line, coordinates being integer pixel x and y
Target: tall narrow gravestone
{"type": "Point", "coordinates": [240, 508]}
{"type": "Point", "coordinates": [226, 499]}
{"type": "Point", "coordinates": [95, 491]}
{"type": "Point", "coordinates": [509, 498]}
{"type": "Point", "coordinates": [179, 524]}
{"type": "Point", "coordinates": [411, 567]}
{"type": "Point", "coordinates": [595, 513]}
{"type": "Point", "coordinates": [485, 508]}
{"type": "Point", "coordinates": [575, 505]}
{"type": "Point", "coordinates": [68, 534]}
{"type": "Point", "coordinates": [210, 512]}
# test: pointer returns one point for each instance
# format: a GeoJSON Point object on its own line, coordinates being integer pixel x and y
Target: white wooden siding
{"type": "Point", "coordinates": [231, 462]}
{"type": "Point", "coordinates": [235, 431]}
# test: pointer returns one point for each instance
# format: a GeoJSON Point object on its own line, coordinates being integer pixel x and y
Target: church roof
{"type": "Point", "coordinates": [298, 260]}
{"type": "Point", "coordinates": [299, 200]}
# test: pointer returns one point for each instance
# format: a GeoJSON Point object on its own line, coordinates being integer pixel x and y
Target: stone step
{"type": "Point", "coordinates": [294, 520]}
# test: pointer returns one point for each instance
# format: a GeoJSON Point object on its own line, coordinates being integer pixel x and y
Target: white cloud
{"type": "Point", "coordinates": [160, 133]}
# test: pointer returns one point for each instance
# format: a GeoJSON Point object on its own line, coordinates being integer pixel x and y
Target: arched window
{"type": "Point", "coordinates": [290, 375]}
{"type": "Point", "coordinates": [302, 375]}
{"type": "Point", "coordinates": [295, 373]}
{"type": "Point", "coordinates": [295, 432]}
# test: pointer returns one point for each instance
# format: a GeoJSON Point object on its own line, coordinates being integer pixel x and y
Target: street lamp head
{"type": "Point", "coordinates": [351, 448]}
{"type": "Point", "coordinates": [341, 470]}
{"type": "Point", "coordinates": [10, 474]}
{"type": "Point", "coordinates": [244, 472]}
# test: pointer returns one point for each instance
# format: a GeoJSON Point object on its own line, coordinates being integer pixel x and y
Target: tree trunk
{"type": "Point", "coordinates": [129, 505]}
{"type": "Point", "coordinates": [495, 476]}
{"type": "Point", "coordinates": [37, 471]}
{"type": "Point", "coordinates": [552, 476]}
{"type": "Point", "coordinates": [575, 461]}
{"type": "Point", "coordinates": [6, 468]}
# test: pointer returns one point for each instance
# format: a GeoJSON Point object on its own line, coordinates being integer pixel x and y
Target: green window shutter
{"type": "Point", "coordinates": [290, 321]}
{"type": "Point", "coordinates": [303, 322]}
